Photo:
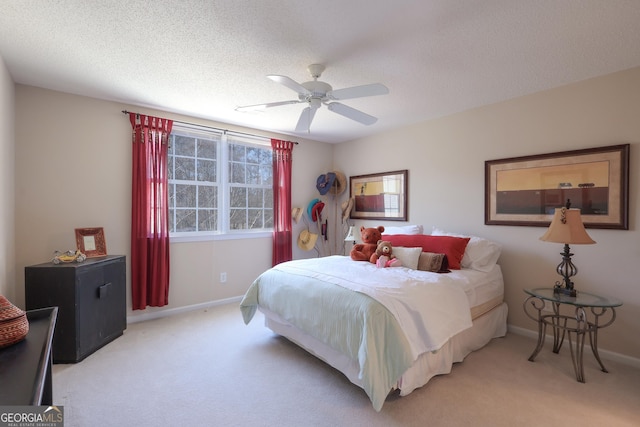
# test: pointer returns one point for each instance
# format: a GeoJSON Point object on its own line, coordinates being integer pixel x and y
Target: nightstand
{"type": "Point", "coordinates": [602, 314]}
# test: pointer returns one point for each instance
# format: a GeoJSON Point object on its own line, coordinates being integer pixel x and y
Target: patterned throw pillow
{"type": "Point", "coordinates": [436, 263]}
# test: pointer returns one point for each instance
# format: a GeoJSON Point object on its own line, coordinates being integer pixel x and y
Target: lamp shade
{"type": "Point", "coordinates": [350, 236]}
{"type": "Point", "coordinates": [567, 227]}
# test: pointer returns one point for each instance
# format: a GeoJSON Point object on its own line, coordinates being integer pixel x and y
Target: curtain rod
{"type": "Point", "coordinates": [211, 127]}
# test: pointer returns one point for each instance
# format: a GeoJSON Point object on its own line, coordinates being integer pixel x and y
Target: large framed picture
{"type": "Point", "coordinates": [380, 196]}
{"type": "Point", "coordinates": [90, 241]}
{"type": "Point", "coordinates": [526, 190]}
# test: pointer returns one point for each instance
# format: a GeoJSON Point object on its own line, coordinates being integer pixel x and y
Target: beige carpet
{"type": "Point", "coordinates": [206, 368]}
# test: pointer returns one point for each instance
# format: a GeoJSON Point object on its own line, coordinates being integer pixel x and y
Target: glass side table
{"type": "Point", "coordinates": [602, 311]}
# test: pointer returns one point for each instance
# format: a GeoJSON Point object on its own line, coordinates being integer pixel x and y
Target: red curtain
{"type": "Point", "coordinates": [282, 161]}
{"type": "Point", "coordinates": [149, 212]}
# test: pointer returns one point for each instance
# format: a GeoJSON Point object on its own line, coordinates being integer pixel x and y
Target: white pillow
{"type": "Point", "coordinates": [406, 229]}
{"type": "Point", "coordinates": [408, 256]}
{"type": "Point", "coordinates": [480, 254]}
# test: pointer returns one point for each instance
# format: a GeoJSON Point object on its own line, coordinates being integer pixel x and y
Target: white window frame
{"type": "Point", "coordinates": [223, 233]}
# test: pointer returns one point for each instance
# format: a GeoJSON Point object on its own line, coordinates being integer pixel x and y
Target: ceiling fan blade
{"type": "Point", "coordinates": [359, 91]}
{"type": "Point", "coordinates": [306, 117]}
{"type": "Point", "coordinates": [352, 113]}
{"type": "Point", "coordinates": [290, 83]}
{"type": "Point", "coordinates": [267, 105]}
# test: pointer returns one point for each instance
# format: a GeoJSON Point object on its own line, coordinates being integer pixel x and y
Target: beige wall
{"type": "Point", "coordinates": [445, 159]}
{"type": "Point", "coordinates": [73, 168]}
{"type": "Point", "coordinates": [7, 146]}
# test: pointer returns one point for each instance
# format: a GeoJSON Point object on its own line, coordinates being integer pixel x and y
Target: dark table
{"type": "Point", "coordinates": [25, 367]}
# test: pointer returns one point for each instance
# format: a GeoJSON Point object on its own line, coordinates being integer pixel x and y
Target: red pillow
{"type": "Point", "coordinates": [453, 247]}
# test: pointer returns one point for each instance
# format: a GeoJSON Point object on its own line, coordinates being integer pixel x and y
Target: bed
{"type": "Point", "coordinates": [385, 328]}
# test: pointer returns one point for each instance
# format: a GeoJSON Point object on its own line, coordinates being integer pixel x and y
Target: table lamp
{"type": "Point", "coordinates": [567, 228]}
{"type": "Point", "coordinates": [350, 237]}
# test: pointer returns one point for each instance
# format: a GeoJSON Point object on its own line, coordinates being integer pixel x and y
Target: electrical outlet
{"type": "Point", "coordinates": [548, 306]}
{"type": "Point", "coordinates": [223, 277]}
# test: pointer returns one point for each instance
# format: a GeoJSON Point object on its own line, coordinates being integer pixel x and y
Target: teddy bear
{"type": "Point", "coordinates": [384, 257]}
{"type": "Point", "coordinates": [369, 236]}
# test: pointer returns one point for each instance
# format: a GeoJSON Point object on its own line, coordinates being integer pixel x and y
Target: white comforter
{"type": "Point", "coordinates": [430, 307]}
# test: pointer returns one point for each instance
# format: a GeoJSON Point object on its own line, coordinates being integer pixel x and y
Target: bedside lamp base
{"type": "Point", "coordinates": [564, 291]}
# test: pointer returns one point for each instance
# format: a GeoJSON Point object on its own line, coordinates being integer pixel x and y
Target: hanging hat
{"type": "Point", "coordinates": [296, 214]}
{"type": "Point", "coordinates": [347, 206]}
{"type": "Point", "coordinates": [339, 185]}
{"type": "Point", "coordinates": [325, 182]}
{"type": "Point", "coordinates": [311, 205]}
{"type": "Point", "coordinates": [307, 240]}
{"type": "Point", "coordinates": [316, 211]}
{"type": "Point", "coordinates": [14, 324]}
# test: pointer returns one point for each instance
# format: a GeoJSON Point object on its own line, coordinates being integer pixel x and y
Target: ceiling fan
{"type": "Point", "coordinates": [315, 93]}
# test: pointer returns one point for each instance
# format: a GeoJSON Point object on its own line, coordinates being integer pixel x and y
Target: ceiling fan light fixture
{"type": "Point", "coordinates": [315, 102]}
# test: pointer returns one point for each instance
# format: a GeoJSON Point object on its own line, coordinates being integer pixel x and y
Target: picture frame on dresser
{"type": "Point", "coordinates": [525, 191]}
{"type": "Point", "coordinates": [91, 242]}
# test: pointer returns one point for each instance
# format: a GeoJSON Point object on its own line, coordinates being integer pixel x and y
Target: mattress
{"type": "Point", "coordinates": [484, 290]}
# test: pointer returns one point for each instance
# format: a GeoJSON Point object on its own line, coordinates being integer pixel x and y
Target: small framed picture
{"type": "Point", "coordinates": [90, 241]}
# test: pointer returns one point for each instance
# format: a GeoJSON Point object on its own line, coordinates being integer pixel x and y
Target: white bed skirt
{"type": "Point", "coordinates": [491, 325]}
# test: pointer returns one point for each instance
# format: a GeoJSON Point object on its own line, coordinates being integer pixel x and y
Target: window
{"type": "Point", "coordinates": [219, 183]}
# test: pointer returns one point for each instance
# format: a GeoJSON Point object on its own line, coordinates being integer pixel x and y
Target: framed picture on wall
{"type": "Point", "coordinates": [526, 190]}
{"type": "Point", "coordinates": [380, 196]}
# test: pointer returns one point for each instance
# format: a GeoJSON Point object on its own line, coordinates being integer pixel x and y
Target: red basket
{"type": "Point", "coordinates": [14, 325]}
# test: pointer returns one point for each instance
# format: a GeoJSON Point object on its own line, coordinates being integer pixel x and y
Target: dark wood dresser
{"type": "Point", "coordinates": [91, 298]}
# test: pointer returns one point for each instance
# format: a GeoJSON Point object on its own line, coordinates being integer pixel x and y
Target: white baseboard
{"type": "Point", "coordinates": [171, 311]}
{"type": "Point", "coordinates": [605, 354]}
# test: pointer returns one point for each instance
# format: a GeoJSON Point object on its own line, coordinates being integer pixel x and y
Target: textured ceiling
{"type": "Point", "coordinates": [204, 58]}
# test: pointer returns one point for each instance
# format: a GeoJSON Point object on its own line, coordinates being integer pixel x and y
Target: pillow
{"type": "Point", "coordinates": [408, 256]}
{"type": "Point", "coordinates": [407, 229]}
{"type": "Point", "coordinates": [452, 247]}
{"type": "Point", "coordinates": [435, 263]}
{"type": "Point", "coordinates": [480, 254]}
